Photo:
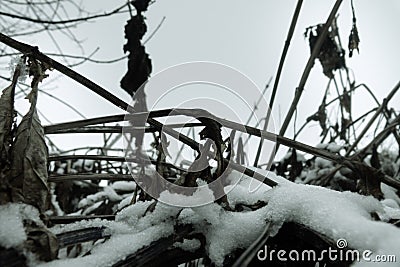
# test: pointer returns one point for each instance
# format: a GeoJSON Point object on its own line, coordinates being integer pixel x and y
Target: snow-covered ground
{"type": "Point", "coordinates": [337, 215]}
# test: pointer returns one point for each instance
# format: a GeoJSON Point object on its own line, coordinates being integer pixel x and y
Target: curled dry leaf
{"type": "Point", "coordinates": [331, 55]}
{"type": "Point", "coordinates": [6, 118]}
{"type": "Point", "coordinates": [321, 117]}
{"type": "Point", "coordinates": [139, 62]}
{"type": "Point", "coordinates": [7, 115]}
{"type": "Point", "coordinates": [29, 165]}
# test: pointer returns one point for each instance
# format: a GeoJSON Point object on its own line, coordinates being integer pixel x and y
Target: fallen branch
{"type": "Point", "coordinates": [64, 128]}
{"type": "Point", "coordinates": [150, 254]}
{"type": "Point", "coordinates": [111, 158]}
{"type": "Point", "coordinates": [95, 176]}
{"type": "Point", "coordinates": [82, 235]}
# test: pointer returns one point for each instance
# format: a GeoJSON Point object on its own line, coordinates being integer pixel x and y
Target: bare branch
{"type": "Point", "coordinates": [15, 16]}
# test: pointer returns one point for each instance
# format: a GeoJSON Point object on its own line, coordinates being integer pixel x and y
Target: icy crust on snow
{"type": "Point", "coordinates": [12, 233]}
{"type": "Point", "coordinates": [336, 215]}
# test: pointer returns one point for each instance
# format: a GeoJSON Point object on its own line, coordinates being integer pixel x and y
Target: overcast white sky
{"type": "Point", "coordinates": [246, 35]}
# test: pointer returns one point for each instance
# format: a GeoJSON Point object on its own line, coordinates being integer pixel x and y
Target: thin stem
{"type": "Point", "coordinates": [278, 74]}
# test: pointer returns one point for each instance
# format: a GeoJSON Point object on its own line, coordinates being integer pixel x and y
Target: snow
{"type": "Point", "coordinates": [124, 186]}
{"type": "Point", "coordinates": [390, 193]}
{"type": "Point", "coordinates": [63, 228]}
{"type": "Point", "coordinates": [323, 163]}
{"type": "Point", "coordinates": [85, 164]}
{"type": "Point", "coordinates": [107, 193]}
{"type": "Point", "coordinates": [390, 203]}
{"type": "Point", "coordinates": [130, 231]}
{"type": "Point", "coordinates": [390, 212]}
{"type": "Point", "coordinates": [12, 230]}
{"type": "Point", "coordinates": [54, 202]}
{"type": "Point", "coordinates": [116, 248]}
{"type": "Point", "coordinates": [92, 208]}
{"type": "Point", "coordinates": [134, 215]}
{"type": "Point", "coordinates": [60, 171]}
{"type": "Point", "coordinates": [203, 195]}
{"type": "Point", "coordinates": [125, 201]}
{"type": "Point", "coordinates": [248, 190]}
{"type": "Point", "coordinates": [224, 230]}
{"type": "Point", "coordinates": [332, 147]}
{"type": "Point", "coordinates": [234, 230]}
{"type": "Point", "coordinates": [12, 233]}
{"type": "Point", "coordinates": [190, 245]}
{"type": "Point", "coordinates": [336, 215]}
{"type": "Point", "coordinates": [24, 70]}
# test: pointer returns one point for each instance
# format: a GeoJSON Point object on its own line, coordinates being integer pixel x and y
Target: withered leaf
{"type": "Point", "coordinates": [369, 180]}
{"type": "Point", "coordinates": [330, 55]}
{"type": "Point", "coordinates": [354, 40]}
{"type": "Point", "coordinates": [296, 167]}
{"type": "Point", "coordinates": [375, 158]}
{"type": "Point", "coordinates": [211, 130]}
{"type": "Point", "coordinates": [320, 116]}
{"type": "Point", "coordinates": [7, 115]}
{"type": "Point", "coordinates": [6, 118]}
{"type": "Point", "coordinates": [139, 62]}
{"type": "Point", "coordinates": [140, 5]}
{"type": "Point", "coordinates": [29, 162]}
